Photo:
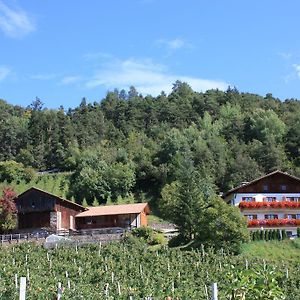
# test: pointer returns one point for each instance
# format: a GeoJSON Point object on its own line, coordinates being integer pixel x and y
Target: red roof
{"type": "Point", "coordinates": [121, 209]}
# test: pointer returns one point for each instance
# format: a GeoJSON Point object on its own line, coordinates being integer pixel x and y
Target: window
{"type": "Point", "coordinates": [271, 217]}
{"type": "Point", "coordinates": [88, 221]}
{"type": "Point", "coordinates": [290, 217]}
{"type": "Point", "coordinates": [283, 187]}
{"type": "Point", "coordinates": [265, 188]}
{"type": "Point", "coordinates": [293, 199]}
{"type": "Point", "coordinates": [32, 204]}
{"type": "Point", "coordinates": [293, 216]}
{"type": "Point", "coordinates": [248, 199]}
{"type": "Point", "coordinates": [270, 199]}
{"type": "Point", "coordinates": [251, 217]}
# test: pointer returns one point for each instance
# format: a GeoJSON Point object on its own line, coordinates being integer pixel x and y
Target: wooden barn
{"type": "Point", "coordinates": [37, 208]}
{"type": "Point", "coordinates": [126, 215]}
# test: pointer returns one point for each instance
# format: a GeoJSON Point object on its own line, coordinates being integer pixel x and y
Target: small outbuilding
{"type": "Point", "coordinates": [37, 208]}
{"type": "Point", "coordinates": [124, 215]}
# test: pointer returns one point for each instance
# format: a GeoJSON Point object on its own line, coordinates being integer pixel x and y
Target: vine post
{"type": "Point", "coordinates": [22, 295]}
{"type": "Point", "coordinates": [214, 289]}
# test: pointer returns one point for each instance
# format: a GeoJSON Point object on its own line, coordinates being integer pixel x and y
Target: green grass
{"type": "Point", "coordinates": [57, 184]}
{"type": "Point", "coordinates": [287, 251]}
{"type": "Point", "coordinates": [155, 219]}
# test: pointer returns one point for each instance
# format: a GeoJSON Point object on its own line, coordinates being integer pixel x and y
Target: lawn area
{"type": "Point", "coordinates": [155, 219]}
{"type": "Point", "coordinates": [287, 250]}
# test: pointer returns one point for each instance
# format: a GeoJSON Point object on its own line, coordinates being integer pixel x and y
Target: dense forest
{"type": "Point", "coordinates": [128, 145]}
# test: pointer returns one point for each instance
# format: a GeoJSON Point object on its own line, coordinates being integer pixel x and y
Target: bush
{"type": "Point", "coordinates": [177, 240]}
{"type": "Point", "coordinates": [261, 235]}
{"type": "Point", "coordinates": [13, 171]}
{"type": "Point", "coordinates": [283, 234]}
{"type": "Point", "coordinates": [278, 234]}
{"type": "Point", "coordinates": [298, 232]}
{"type": "Point", "coordinates": [149, 235]}
{"type": "Point", "coordinates": [257, 235]}
{"type": "Point", "coordinates": [131, 240]}
{"type": "Point", "coordinates": [158, 239]}
{"type": "Point", "coordinates": [143, 232]}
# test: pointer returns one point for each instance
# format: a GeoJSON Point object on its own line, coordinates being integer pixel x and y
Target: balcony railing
{"type": "Point", "coordinates": [265, 204]}
{"type": "Point", "coordinates": [274, 222]}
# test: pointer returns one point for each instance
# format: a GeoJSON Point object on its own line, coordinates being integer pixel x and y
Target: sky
{"type": "Point", "coordinates": [63, 50]}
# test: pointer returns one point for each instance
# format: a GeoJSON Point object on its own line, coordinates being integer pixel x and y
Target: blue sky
{"type": "Point", "coordinates": [63, 50]}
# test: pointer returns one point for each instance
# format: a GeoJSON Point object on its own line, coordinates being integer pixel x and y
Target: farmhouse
{"type": "Point", "coordinates": [126, 215]}
{"type": "Point", "coordinates": [37, 208]}
{"type": "Point", "coordinates": [269, 202]}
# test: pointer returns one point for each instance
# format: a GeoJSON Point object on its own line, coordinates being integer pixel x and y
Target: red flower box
{"type": "Point", "coordinates": [265, 204]}
{"type": "Point", "coordinates": [274, 222]}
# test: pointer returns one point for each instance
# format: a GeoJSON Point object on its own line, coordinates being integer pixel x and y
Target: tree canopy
{"type": "Point", "coordinates": [138, 140]}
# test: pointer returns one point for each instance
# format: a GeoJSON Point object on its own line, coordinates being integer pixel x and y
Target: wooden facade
{"type": "Point", "coordinates": [124, 216]}
{"type": "Point", "coordinates": [39, 209]}
{"type": "Point", "coordinates": [275, 182]}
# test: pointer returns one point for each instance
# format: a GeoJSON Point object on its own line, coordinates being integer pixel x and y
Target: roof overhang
{"type": "Point", "coordinates": [109, 210]}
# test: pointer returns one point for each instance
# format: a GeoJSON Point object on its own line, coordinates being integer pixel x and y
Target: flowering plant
{"type": "Point", "coordinates": [274, 222]}
{"type": "Point", "coordinates": [265, 204]}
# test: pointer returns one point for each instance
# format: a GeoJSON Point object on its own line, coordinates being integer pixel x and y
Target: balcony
{"type": "Point", "coordinates": [265, 204]}
{"type": "Point", "coordinates": [274, 222]}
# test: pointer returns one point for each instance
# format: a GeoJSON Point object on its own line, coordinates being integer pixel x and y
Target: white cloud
{"type": "Point", "coordinates": [97, 55]}
{"type": "Point", "coordinates": [173, 44]}
{"type": "Point", "coordinates": [285, 55]}
{"type": "Point", "coordinates": [44, 76]}
{"type": "Point", "coordinates": [70, 80]}
{"type": "Point", "coordinates": [297, 68]}
{"type": "Point", "coordinates": [147, 77]}
{"type": "Point", "coordinates": [4, 72]}
{"type": "Point", "coordinates": [15, 22]}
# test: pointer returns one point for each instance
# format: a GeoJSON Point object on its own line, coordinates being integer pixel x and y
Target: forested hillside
{"type": "Point", "coordinates": [127, 144]}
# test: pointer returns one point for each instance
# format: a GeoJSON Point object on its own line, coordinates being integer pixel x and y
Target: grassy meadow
{"type": "Point", "coordinates": [285, 251]}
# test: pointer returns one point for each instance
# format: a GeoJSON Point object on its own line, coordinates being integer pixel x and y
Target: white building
{"type": "Point", "coordinates": [269, 202]}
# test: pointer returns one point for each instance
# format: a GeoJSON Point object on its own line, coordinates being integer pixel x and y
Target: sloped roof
{"type": "Point", "coordinates": [257, 179]}
{"type": "Point", "coordinates": [47, 193]}
{"type": "Point", "coordinates": [121, 209]}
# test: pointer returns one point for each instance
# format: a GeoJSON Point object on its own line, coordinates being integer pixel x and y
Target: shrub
{"type": "Point", "coordinates": [257, 234]}
{"type": "Point", "coordinates": [274, 235]}
{"type": "Point", "coordinates": [177, 240]}
{"type": "Point", "coordinates": [149, 235]}
{"type": "Point", "coordinates": [158, 239]}
{"type": "Point", "coordinates": [266, 236]}
{"type": "Point", "coordinates": [7, 210]}
{"type": "Point", "coordinates": [143, 232]}
{"type": "Point", "coordinates": [261, 235]}
{"type": "Point", "coordinates": [283, 234]}
{"type": "Point", "coordinates": [13, 171]}
{"type": "Point", "coordinates": [298, 232]}
{"type": "Point", "coordinates": [278, 234]}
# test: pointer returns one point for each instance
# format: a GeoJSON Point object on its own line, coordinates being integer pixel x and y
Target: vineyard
{"type": "Point", "coordinates": [134, 271]}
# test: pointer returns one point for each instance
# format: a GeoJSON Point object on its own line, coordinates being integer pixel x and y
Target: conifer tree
{"type": "Point", "coordinates": [95, 202]}
{"type": "Point", "coordinates": [284, 235]}
{"type": "Point", "coordinates": [84, 203]}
